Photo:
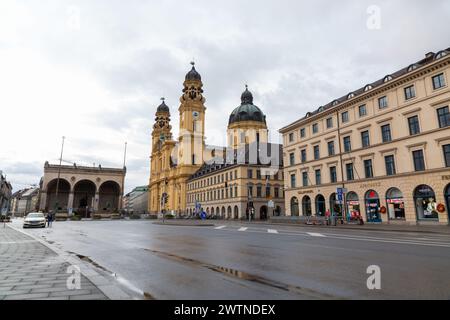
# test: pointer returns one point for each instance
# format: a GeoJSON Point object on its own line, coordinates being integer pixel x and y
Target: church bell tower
{"type": "Point", "coordinates": [192, 121]}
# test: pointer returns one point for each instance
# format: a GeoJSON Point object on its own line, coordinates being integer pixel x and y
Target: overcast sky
{"type": "Point", "coordinates": [94, 70]}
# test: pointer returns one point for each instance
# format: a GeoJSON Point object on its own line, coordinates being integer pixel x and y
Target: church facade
{"type": "Point", "coordinates": [176, 162]}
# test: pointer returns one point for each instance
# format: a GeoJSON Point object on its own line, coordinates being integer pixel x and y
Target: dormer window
{"type": "Point", "coordinates": [335, 102]}
{"type": "Point", "coordinates": [350, 95]}
{"type": "Point", "coordinates": [308, 114]}
{"type": "Point", "coordinates": [320, 109]}
{"type": "Point", "coordinates": [412, 67]}
{"type": "Point", "coordinates": [368, 87]}
{"type": "Point", "coordinates": [387, 78]}
{"type": "Point", "coordinates": [441, 54]}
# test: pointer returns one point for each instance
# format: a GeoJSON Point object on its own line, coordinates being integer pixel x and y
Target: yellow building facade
{"type": "Point", "coordinates": [174, 161]}
{"type": "Point", "coordinates": [188, 176]}
{"type": "Point", "coordinates": [386, 144]}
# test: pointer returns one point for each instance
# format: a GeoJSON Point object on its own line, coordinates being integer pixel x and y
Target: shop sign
{"type": "Point", "coordinates": [397, 201]}
{"type": "Point", "coordinates": [370, 185]}
{"type": "Point", "coordinates": [446, 177]}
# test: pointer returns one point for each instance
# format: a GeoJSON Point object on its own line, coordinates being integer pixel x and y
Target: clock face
{"type": "Point", "coordinates": [195, 115]}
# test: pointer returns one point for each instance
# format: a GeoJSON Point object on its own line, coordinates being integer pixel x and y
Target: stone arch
{"type": "Point", "coordinates": [109, 197]}
{"type": "Point", "coordinates": [212, 210]}
{"type": "Point", "coordinates": [62, 201]}
{"type": "Point", "coordinates": [84, 197]}
{"type": "Point", "coordinates": [222, 215]}
{"type": "Point", "coordinates": [217, 212]}
{"type": "Point", "coordinates": [229, 212]}
{"type": "Point", "coordinates": [236, 212]}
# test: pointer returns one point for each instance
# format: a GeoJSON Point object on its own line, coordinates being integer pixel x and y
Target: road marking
{"type": "Point", "coordinates": [243, 229]}
{"type": "Point", "coordinates": [272, 231]}
{"type": "Point", "coordinates": [218, 228]}
{"type": "Point", "coordinates": [314, 234]}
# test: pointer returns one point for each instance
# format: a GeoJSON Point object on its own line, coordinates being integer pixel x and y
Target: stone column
{"type": "Point", "coordinates": [43, 201]}
{"type": "Point", "coordinates": [96, 201]}
{"type": "Point", "coordinates": [70, 201]}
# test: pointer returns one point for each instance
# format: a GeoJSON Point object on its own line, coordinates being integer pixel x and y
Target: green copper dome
{"type": "Point", "coordinates": [247, 111]}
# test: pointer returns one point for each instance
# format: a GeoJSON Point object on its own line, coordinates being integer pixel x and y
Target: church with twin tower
{"type": "Point", "coordinates": [175, 160]}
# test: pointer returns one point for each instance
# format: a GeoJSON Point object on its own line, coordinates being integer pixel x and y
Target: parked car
{"type": "Point", "coordinates": [34, 219]}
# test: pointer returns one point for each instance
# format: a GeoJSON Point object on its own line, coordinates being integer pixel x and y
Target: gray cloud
{"type": "Point", "coordinates": [295, 56]}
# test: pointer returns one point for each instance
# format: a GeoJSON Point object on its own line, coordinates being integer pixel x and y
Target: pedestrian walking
{"type": "Point", "coordinates": [327, 217]}
{"type": "Point", "coordinates": [49, 219]}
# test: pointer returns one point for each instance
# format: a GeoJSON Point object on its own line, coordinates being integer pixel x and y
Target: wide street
{"type": "Point", "coordinates": [232, 260]}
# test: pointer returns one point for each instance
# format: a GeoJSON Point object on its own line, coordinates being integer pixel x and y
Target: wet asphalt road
{"type": "Point", "coordinates": [234, 261]}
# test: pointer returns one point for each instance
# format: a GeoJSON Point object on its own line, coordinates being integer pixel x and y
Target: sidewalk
{"type": "Point", "coordinates": [31, 271]}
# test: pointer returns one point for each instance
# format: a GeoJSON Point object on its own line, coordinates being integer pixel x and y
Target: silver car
{"type": "Point", "coordinates": [34, 220]}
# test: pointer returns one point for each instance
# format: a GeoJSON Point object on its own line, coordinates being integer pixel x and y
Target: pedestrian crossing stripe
{"type": "Point", "coordinates": [314, 234]}
{"type": "Point", "coordinates": [243, 229]}
{"type": "Point", "coordinates": [272, 231]}
{"type": "Point", "coordinates": [218, 228]}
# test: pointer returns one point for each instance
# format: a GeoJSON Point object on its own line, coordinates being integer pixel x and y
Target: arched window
{"type": "Point", "coordinates": [412, 67]}
{"type": "Point", "coordinates": [320, 205]}
{"type": "Point", "coordinates": [368, 87]}
{"type": "Point", "coordinates": [353, 208]}
{"type": "Point", "coordinates": [306, 206]}
{"type": "Point", "coordinates": [395, 204]}
{"type": "Point", "coordinates": [335, 205]}
{"type": "Point", "coordinates": [372, 206]}
{"type": "Point", "coordinates": [441, 54]}
{"type": "Point", "coordinates": [350, 95]}
{"type": "Point", "coordinates": [425, 202]}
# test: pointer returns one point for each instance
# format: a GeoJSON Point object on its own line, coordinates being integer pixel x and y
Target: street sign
{"type": "Point", "coordinates": [340, 197]}
{"type": "Point", "coordinates": [341, 191]}
{"type": "Point", "coordinates": [271, 204]}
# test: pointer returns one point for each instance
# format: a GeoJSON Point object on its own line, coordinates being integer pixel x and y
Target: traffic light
{"type": "Point", "coordinates": [166, 199]}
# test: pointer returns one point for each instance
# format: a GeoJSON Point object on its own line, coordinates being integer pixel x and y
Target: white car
{"type": "Point", "coordinates": [34, 219]}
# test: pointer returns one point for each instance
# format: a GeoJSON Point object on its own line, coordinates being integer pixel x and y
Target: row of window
{"type": "Point", "coordinates": [438, 82]}
{"type": "Point", "coordinates": [389, 161]}
{"type": "Point", "coordinates": [232, 192]}
{"type": "Point", "coordinates": [258, 175]}
{"type": "Point", "coordinates": [227, 176]}
{"type": "Point", "coordinates": [386, 136]}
